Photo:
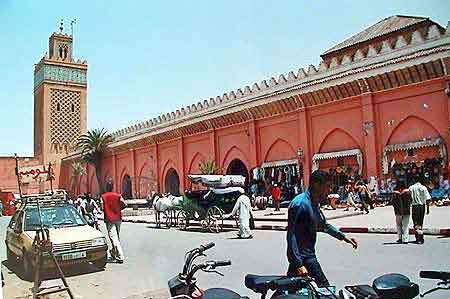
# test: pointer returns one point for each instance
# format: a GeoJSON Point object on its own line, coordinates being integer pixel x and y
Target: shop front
{"type": "Point", "coordinates": [287, 174]}
{"type": "Point", "coordinates": [341, 165]}
{"type": "Point", "coordinates": [425, 159]}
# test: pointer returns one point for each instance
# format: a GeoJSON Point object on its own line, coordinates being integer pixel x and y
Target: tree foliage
{"type": "Point", "coordinates": [209, 167]}
{"type": "Point", "coordinates": [92, 146]}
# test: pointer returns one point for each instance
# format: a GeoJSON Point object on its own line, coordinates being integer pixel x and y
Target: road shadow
{"type": "Point", "coordinates": [205, 230]}
{"type": "Point", "coordinates": [193, 229]}
{"type": "Point", "coordinates": [158, 228]}
{"type": "Point", "coordinates": [237, 238]}
{"type": "Point", "coordinates": [74, 270]}
{"type": "Point", "coordinates": [395, 243]}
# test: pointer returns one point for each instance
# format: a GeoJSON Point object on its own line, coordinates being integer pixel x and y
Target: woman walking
{"type": "Point", "coordinates": [402, 209]}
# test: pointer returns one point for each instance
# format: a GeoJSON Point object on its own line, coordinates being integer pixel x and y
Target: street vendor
{"type": "Point", "coordinates": [243, 208]}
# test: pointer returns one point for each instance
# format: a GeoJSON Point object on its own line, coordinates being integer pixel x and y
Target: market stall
{"type": "Point", "coordinates": [287, 174]}
{"type": "Point", "coordinates": [426, 159]}
{"type": "Point", "coordinates": [341, 165]}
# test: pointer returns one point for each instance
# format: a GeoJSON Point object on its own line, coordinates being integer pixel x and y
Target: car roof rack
{"type": "Point", "coordinates": [47, 198]}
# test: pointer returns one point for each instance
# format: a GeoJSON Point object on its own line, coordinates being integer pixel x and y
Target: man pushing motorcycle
{"type": "Point", "coordinates": [304, 220]}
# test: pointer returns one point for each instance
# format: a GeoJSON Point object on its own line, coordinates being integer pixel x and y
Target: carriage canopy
{"type": "Point", "coordinates": [218, 181]}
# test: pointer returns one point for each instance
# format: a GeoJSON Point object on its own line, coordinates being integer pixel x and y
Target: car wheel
{"type": "Point", "coordinates": [10, 257]}
{"type": "Point", "coordinates": [101, 263]}
{"type": "Point", "coordinates": [28, 270]}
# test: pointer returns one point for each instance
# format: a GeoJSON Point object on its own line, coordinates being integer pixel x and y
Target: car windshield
{"type": "Point", "coordinates": [53, 217]}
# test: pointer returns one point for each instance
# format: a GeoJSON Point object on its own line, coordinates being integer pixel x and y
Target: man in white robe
{"type": "Point", "coordinates": [243, 208]}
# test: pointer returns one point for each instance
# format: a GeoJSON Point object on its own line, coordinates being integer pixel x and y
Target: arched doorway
{"type": "Point", "coordinates": [172, 182]}
{"type": "Point", "coordinates": [237, 167]}
{"type": "Point", "coordinates": [127, 191]}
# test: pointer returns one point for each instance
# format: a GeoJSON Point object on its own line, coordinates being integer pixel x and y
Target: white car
{"type": "Point", "coordinates": [74, 241]}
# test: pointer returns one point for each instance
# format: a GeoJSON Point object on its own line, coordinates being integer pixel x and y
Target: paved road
{"type": "Point", "coordinates": [154, 255]}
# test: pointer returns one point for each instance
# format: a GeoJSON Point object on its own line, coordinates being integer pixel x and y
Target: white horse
{"type": "Point", "coordinates": [164, 203]}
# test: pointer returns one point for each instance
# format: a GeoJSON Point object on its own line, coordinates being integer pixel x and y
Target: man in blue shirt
{"type": "Point", "coordinates": [304, 220]}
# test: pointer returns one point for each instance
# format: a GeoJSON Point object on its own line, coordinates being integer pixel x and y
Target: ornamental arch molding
{"type": "Point", "coordinates": [412, 128]}
{"type": "Point", "coordinates": [172, 182]}
{"type": "Point", "coordinates": [331, 148]}
{"type": "Point", "coordinates": [233, 153]}
{"type": "Point", "coordinates": [337, 133]}
{"type": "Point", "coordinates": [197, 158]}
{"type": "Point", "coordinates": [123, 173]}
{"type": "Point", "coordinates": [413, 133]}
{"type": "Point", "coordinates": [277, 147]}
{"type": "Point", "coordinates": [146, 182]}
{"type": "Point", "coordinates": [238, 167]}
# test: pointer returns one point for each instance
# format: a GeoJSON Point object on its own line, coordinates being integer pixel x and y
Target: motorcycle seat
{"type": "Point", "coordinates": [393, 286]}
{"type": "Point", "coordinates": [260, 283]}
{"type": "Point", "coordinates": [221, 293]}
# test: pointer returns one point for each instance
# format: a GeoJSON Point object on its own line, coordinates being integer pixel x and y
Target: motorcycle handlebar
{"type": "Point", "coordinates": [435, 275]}
{"type": "Point", "coordinates": [222, 263]}
{"type": "Point", "coordinates": [206, 247]}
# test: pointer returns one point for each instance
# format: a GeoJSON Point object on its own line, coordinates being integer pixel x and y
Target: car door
{"type": "Point", "coordinates": [15, 230]}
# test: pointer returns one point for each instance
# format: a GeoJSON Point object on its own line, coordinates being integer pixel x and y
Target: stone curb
{"type": "Point", "coordinates": [355, 230]}
{"type": "Point", "coordinates": [351, 214]}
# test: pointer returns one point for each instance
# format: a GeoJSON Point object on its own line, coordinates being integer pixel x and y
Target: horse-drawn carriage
{"type": "Point", "coordinates": [208, 205]}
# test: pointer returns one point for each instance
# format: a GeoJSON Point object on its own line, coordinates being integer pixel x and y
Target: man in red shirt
{"type": "Point", "coordinates": [276, 196]}
{"type": "Point", "coordinates": [113, 204]}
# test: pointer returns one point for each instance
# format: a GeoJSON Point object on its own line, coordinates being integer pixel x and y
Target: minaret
{"type": "Point", "coordinates": [60, 91]}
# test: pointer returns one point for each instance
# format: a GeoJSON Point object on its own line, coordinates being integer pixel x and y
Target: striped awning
{"type": "Point", "coordinates": [339, 154]}
{"type": "Point", "coordinates": [413, 145]}
{"type": "Point", "coordinates": [435, 142]}
{"type": "Point", "coordinates": [279, 163]}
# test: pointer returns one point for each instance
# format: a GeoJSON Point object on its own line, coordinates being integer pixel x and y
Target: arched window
{"type": "Point", "coordinates": [73, 108]}
{"type": "Point", "coordinates": [58, 107]}
{"type": "Point", "coordinates": [60, 52]}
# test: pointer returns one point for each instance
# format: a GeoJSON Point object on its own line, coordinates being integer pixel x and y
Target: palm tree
{"type": "Point", "coordinates": [77, 171]}
{"type": "Point", "coordinates": [92, 146]}
{"type": "Point", "coordinates": [209, 167]}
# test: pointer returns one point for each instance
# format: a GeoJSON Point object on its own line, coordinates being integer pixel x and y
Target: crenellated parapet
{"type": "Point", "coordinates": [359, 58]}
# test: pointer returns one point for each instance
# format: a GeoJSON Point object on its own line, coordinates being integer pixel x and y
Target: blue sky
{"type": "Point", "coordinates": [149, 57]}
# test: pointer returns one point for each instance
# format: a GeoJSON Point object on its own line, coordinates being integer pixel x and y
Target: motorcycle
{"type": "Point", "coordinates": [387, 286]}
{"type": "Point", "coordinates": [184, 285]}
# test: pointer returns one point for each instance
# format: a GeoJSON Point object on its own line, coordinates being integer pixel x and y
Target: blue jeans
{"type": "Point", "coordinates": [314, 271]}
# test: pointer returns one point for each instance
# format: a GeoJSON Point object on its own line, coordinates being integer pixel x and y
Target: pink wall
{"type": "Point", "coordinates": [398, 115]}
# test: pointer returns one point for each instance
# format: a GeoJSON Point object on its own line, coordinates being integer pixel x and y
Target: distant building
{"type": "Point", "coordinates": [60, 92]}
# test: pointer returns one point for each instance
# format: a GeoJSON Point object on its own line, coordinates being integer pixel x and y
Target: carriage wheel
{"type": "Point", "coordinates": [214, 218]}
{"type": "Point", "coordinates": [168, 219]}
{"type": "Point", "coordinates": [182, 220]}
